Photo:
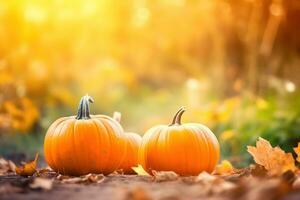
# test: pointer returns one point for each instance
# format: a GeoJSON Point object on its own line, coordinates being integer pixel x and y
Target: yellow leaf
{"type": "Point", "coordinates": [227, 135]}
{"type": "Point", "coordinates": [29, 168]}
{"type": "Point", "coordinates": [140, 171]}
{"type": "Point", "coordinates": [275, 160]}
{"type": "Point", "coordinates": [224, 168]}
{"type": "Point", "coordinates": [297, 151]}
{"type": "Point", "coordinates": [261, 103]}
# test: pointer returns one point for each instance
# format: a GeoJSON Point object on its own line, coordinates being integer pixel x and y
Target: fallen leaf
{"type": "Point", "coordinates": [297, 151]}
{"type": "Point", "coordinates": [6, 166]}
{"type": "Point", "coordinates": [118, 171]}
{"type": "Point", "coordinates": [258, 170]}
{"type": "Point", "coordinates": [140, 171]}
{"type": "Point", "coordinates": [296, 183]}
{"type": "Point", "coordinates": [72, 180]}
{"type": "Point", "coordinates": [93, 178]}
{"type": "Point", "coordinates": [89, 178]}
{"type": "Point", "coordinates": [165, 176]}
{"type": "Point", "coordinates": [45, 170]}
{"type": "Point", "coordinates": [211, 184]}
{"type": "Point", "coordinates": [224, 168]}
{"type": "Point", "coordinates": [275, 160]}
{"type": "Point", "coordinates": [46, 173]}
{"type": "Point", "coordinates": [28, 169]}
{"type": "Point", "coordinates": [62, 177]}
{"type": "Point", "coordinates": [41, 183]}
{"type": "Point", "coordinates": [205, 177]}
{"type": "Point", "coordinates": [289, 177]}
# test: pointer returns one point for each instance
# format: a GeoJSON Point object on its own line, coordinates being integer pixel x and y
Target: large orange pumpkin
{"type": "Point", "coordinates": [85, 143]}
{"type": "Point", "coordinates": [186, 149]}
{"type": "Point", "coordinates": [133, 144]}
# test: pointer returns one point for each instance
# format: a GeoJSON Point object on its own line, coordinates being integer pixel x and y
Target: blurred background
{"type": "Point", "coordinates": [235, 65]}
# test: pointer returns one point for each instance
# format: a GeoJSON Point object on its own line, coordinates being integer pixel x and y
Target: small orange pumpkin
{"type": "Point", "coordinates": [186, 149]}
{"type": "Point", "coordinates": [85, 143]}
{"type": "Point", "coordinates": [133, 144]}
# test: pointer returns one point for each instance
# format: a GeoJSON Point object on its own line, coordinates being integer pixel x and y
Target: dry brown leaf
{"type": "Point", "coordinates": [62, 177]}
{"type": "Point", "coordinates": [297, 151]}
{"type": "Point", "coordinates": [46, 173]}
{"type": "Point", "coordinates": [41, 183]}
{"type": "Point", "coordinates": [72, 180]}
{"type": "Point", "coordinates": [45, 170]}
{"type": "Point", "coordinates": [224, 168]}
{"type": "Point", "coordinates": [258, 170]}
{"type": "Point", "coordinates": [211, 184]}
{"type": "Point", "coordinates": [165, 176]}
{"type": "Point", "coordinates": [118, 172]}
{"type": "Point", "coordinates": [28, 169]}
{"type": "Point", "coordinates": [205, 177]}
{"type": "Point", "coordinates": [275, 160]}
{"type": "Point", "coordinates": [139, 170]}
{"type": "Point", "coordinates": [12, 166]}
{"type": "Point", "coordinates": [296, 183]}
{"type": "Point", "coordinates": [94, 178]}
{"type": "Point", "coordinates": [6, 166]}
{"type": "Point", "coordinates": [89, 178]}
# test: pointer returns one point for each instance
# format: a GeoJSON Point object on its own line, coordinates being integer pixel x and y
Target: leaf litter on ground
{"type": "Point", "coordinates": [160, 176]}
{"type": "Point", "coordinates": [272, 177]}
{"type": "Point", "coordinates": [29, 168]}
{"type": "Point", "coordinates": [224, 168]}
{"type": "Point", "coordinates": [41, 183]}
{"type": "Point", "coordinates": [275, 160]}
{"type": "Point", "coordinates": [139, 170]}
{"type": "Point", "coordinates": [85, 179]}
{"type": "Point", "coordinates": [6, 166]}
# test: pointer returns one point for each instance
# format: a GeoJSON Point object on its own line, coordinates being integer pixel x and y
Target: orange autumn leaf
{"type": "Point", "coordinates": [275, 160]}
{"type": "Point", "coordinates": [224, 168]}
{"type": "Point", "coordinates": [28, 169]}
{"type": "Point", "coordinates": [297, 151]}
{"type": "Point", "coordinates": [140, 171]}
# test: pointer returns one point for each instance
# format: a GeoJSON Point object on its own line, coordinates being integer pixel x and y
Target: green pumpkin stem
{"type": "Point", "coordinates": [177, 117]}
{"type": "Point", "coordinates": [84, 107]}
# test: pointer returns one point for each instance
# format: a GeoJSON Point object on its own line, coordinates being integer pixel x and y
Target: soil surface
{"type": "Point", "coordinates": [133, 187]}
{"type": "Point", "coordinates": [112, 187]}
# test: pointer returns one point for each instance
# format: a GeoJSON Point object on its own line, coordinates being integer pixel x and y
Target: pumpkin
{"type": "Point", "coordinates": [187, 149]}
{"type": "Point", "coordinates": [133, 143]}
{"type": "Point", "coordinates": [85, 143]}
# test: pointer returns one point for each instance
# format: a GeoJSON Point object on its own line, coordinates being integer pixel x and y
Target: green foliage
{"type": "Point", "coordinates": [21, 144]}
{"type": "Point", "coordinates": [272, 119]}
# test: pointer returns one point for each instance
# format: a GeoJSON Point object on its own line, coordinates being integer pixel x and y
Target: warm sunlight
{"type": "Point", "coordinates": [221, 75]}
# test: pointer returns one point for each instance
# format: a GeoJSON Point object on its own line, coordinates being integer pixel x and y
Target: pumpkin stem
{"type": "Point", "coordinates": [117, 116]}
{"type": "Point", "coordinates": [84, 107]}
{"type": "Point", "coordinates": [177, 117]}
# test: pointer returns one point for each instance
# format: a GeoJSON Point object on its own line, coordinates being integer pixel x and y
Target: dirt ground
{"type": "Point", "coordinates": [167, 187]}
